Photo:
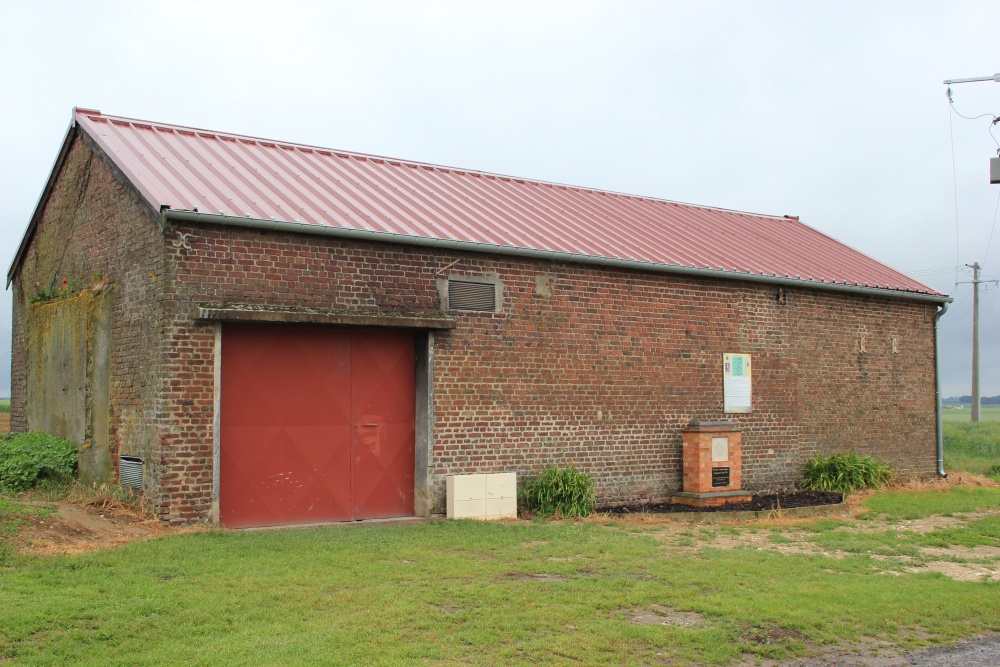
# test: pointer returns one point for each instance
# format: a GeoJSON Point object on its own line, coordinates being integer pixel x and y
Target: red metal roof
{"type": "Point", "coordinates": [235, 176]}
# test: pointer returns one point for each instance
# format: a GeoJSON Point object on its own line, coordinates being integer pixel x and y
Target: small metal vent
{"type": "Point", "coordinates": [130, 468]}
{"type": "Point", "coordinates": [465, 295]}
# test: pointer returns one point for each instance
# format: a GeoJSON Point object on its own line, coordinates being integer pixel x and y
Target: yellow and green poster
{"type": "Point", "coordinates": [736, 382]}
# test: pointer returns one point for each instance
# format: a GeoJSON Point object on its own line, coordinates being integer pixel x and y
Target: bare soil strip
{"type": "Point", "coordinates": [76, 529]}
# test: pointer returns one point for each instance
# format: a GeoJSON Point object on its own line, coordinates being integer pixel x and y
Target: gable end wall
{"type": "Point", "coordinates": [95, 227]}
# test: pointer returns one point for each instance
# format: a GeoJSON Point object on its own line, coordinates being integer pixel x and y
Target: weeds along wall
{"type": "Point", "coordinates": [594, 366]}
{"type": "Point", "coordinates": [94, 235]}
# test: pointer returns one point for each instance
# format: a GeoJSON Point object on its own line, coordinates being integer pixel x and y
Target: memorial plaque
{"type": "Point", "coordinates": [720, 476]}
{"type": "Point", "coordinates": [720, 449]}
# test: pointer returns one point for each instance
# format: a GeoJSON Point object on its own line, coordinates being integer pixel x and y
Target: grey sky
{"type": "Point", "coordinates": [834, 112]}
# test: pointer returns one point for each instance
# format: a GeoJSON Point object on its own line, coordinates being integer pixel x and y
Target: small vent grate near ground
{"type": "Point", "coordinates": [131, 471]}
{"type": "Point", "coordinates": [463, 295]}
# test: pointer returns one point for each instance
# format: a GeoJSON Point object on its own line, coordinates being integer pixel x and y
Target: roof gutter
{"type": "Point", "coordinates": [937, 393]}
{"type": "Point", "coordinates": [533, 253]}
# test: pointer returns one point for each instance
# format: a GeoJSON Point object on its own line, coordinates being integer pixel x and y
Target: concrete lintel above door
{"type": "Point", "coordinates": [395, 321]}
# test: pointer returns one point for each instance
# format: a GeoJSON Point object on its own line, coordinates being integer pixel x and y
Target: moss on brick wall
{"type": "Point", "coordinates": [95, 232]}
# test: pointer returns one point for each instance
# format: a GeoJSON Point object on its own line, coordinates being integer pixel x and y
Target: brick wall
{"type": "Point", "coordinates": [594, 366]}
{"type": "Point", "coordinates": [95, 229]}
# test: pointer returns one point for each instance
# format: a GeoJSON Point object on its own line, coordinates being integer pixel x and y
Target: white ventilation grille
{"type": "Point", "coordinates": [466, 295]}
{"type": "Point", "coordinates": [130, 469]}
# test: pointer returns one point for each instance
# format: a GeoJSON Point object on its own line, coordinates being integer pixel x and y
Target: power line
{"type": "Point", "coordinates": [993, 119]}
{"type": "Point", "coordinates": [929, 272]}
{"type": "Point", "coordinates": [954, 178]}
{"type": "Point", "coordinates": [997, 208]}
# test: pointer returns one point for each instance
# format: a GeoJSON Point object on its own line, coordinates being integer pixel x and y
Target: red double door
{"type": "Point", "coordinates": [317, 424]}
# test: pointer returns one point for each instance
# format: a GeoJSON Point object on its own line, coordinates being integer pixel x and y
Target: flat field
{"type": "Point", "coordinates": [972, 447]}
{"type": "Point", "coordinates": [987, 413]}
{"type": "Point", "coordinates": [899, 571]}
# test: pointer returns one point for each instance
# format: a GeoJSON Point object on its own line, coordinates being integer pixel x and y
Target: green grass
{"type": "Point", "coordinates": [4, 405]}
{"type": "Point", "coordinates": [982, 532]}
{"type": "Point", "coordinates": [971, 447]}
{"type": "Point", "coordinates": [987, 413]}
{"type": "Point", "coordinates": [14, 515]}
{"type": "Point", "coordinates": [921, 504]}
{"type": "Point", "coordinates": [465, 592]}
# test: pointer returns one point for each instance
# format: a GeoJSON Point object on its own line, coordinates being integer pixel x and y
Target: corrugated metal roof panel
{"type": "Point", "coordinates": [189, 169]}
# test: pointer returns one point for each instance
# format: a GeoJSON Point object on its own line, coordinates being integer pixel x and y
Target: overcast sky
{"type": "Point", "coordinates": [833, 111]}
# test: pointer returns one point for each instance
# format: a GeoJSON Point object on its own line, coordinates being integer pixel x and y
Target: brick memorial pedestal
{"type": "Point", "coordinates": [713, 465]}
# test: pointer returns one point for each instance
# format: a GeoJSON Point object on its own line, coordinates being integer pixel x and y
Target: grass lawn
{"type": "Point", "coordinates": [987, 413]}
{"type": "Point", "coordinates": [972, 447]}
{"type": "Point", "coordinates": [470, 593]}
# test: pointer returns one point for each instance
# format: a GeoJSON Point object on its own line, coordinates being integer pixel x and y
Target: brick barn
{"type": "Point", "coordinates": [261, 332]}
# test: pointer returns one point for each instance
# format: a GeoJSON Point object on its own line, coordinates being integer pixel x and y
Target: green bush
{"type": "Point", "coordinates": [566, 492]}
{"type": "Point", "coordinates": [994, 471]}
{"type": "Point", "coordinates": [845, 473]}
{"type": "Point", "coordinates": [26, 458]}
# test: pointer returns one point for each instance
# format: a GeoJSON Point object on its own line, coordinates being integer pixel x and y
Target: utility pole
{"type": "Point", "coordinates": [994, 178]}
{"type": "Point", "coordinates": [975, 341]}
{"type": "Point", "coordinates": [976, 282]}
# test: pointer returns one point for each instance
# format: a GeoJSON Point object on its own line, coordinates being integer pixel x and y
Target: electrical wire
{"type": "Point", "coordinates": [930, 272]}
{"type": "Point", "coordinates": [994, 119]}
{"type": "Point", "coordinates": [958, 317]}
{"type": "Point", "coordinates": [962, 115]}
{"type": "Point", "coordinates": [997, 208]}
{"type": "Point", "coordinates": [954, 179]}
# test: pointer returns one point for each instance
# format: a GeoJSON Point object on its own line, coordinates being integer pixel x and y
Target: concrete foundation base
{"type": "Point", "coordinates": [710, 499]}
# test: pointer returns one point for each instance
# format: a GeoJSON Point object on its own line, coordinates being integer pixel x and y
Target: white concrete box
{"type": "Point", "coordinates": [482, 496]}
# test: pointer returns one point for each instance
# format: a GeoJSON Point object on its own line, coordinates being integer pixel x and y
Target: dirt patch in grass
{"type": "Point", "coordinates": [961, 571]}
{"type": "Point", "coordinates": [659, 615]}
{"type": "Point", "coordinates": [965, 553]}
{"type": "Point", "coordinates": [893, 544]}
{"type": "Point", "coordinates": [762, 636]}
{"type": "Point", "coordinates": [925, 525]}
{"type": "Point", "coordinates": [76, 529]}
{"type": "Point", "coordinates": [4, 422]}
{"type": "Point", "coordinates": [535, 576]}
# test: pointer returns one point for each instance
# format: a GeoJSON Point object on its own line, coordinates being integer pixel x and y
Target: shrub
{"type": "Point", "coordinates": [994, 471]}
{"type": "Point", "coordinates": [566, 492]}
{"type": "Point", "coordinates": [26, 458]}
{"type": "Point", "coordinates": [845, 473]}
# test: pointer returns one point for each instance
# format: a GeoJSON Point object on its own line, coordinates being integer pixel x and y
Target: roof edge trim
{"type": "Point", "coordinates": [551, 255]}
